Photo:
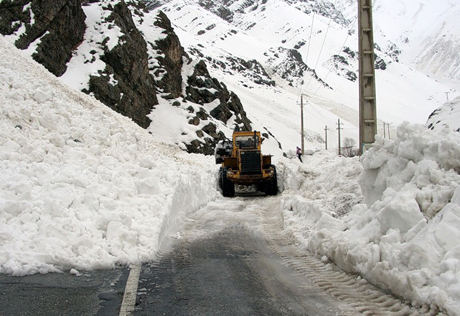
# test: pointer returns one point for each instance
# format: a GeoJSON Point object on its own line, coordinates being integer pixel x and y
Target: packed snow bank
{"type": "Point", "coordinates": [406, 235]}
{"type": "Point", "coordinates": [81, 186]}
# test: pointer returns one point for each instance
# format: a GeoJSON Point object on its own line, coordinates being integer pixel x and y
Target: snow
{"type": "Point", "coordinates": [83, 188]}
{"type": "Point", "coordinates": [425, 31]}
{"type": "Point", "coordinates": [405, 236]}
{"type": "Point", "coordinates": [446, 116]}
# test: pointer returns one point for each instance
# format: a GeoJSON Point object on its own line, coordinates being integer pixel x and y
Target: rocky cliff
{"type": "Point", "coordinates": [125, 84]}
{"type": "Point", "coordinates": [52, 29]}
{"type": "Point", "coordinates": [194, 90]}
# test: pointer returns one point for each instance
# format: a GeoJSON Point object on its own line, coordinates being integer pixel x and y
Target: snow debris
{"type": "Point", "coordinates": [82, 187]}
{"type": "Point", "coordinates": [402, 232]}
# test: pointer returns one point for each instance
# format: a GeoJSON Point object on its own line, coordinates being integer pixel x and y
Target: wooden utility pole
{"type": "Point", "coordinates": [301, 124]}
{"type": "Point", "coordinates": [325, 134]}
{"type": "Point", "coordinates": [384, 130]}
{"type": "Point", "coordinates": [339, 128]}
{"type": "Point", "coordinates": [367, 99]}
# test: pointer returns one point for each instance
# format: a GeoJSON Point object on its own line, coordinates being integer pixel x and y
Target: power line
{"type": "Point", "coordinates": [322, 46]}
{"type": "Point", "coordinates": [313, 108]}
{"type": "Point", "coordinates": [309, 43]}
{"type": "Point", "coordinates": [321, 116]}
{"type": "Point", "coordinates": [340, 50]}
{"type": "Point", "coordinates": [309, 39]}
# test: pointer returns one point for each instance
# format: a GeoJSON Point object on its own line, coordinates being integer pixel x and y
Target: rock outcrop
{"type": "Point", "coordinates": [169, 72]}
{"type": "Point", "coordinates": [55, 27]}
{"type": "Point", "coordinates": [200, 89]}
{"type": "Point", "coordinates": [126, 84]}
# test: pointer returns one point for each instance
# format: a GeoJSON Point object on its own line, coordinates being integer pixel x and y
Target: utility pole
{"type": "Point", "coordinates": [388, 130]}
{"type": "Point", "coordinates": [301, 123]}
{"type": "Point", "coordinates": [384, 130]}
{"type": "Point", "coordinates": [447, 95]}
{"type": "Point", "coordinates": [325, 134]}
{"type": "Point", "coordinates": [367, 98]}
{"type": "Point", "coordinates": [339, 128]}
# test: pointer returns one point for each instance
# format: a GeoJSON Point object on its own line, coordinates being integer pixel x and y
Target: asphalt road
{"type": "Point", "coordinates": [63, 294]}
{"type": "Point", "coordinates": [231, 257]}
{"type": "Point", "coordinates": [230, 273]}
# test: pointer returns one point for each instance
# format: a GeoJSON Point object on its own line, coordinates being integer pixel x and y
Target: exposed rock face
{"type": "Point", "coordinates": [200, 89]}
{"type": "Point", "coordinates": [446, 116]}
{"type": "Point", "coordinates": [133, 92]}
{"type": "Point", "coordinates": [219, 9]}
{"type": "Point", "coordinates": [58, 26]}
{"type": "Point", "coordinates": [222, 8]}
{"type": "Point", "coordinates": [203, 89]}
{"type": "Point", "coordinates": [342, 67]}
{"type": "Point", "coordinates": [289, 65]}
{"type": "Point", "coordinates": [170, 70]}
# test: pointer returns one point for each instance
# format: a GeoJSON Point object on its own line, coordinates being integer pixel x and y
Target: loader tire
{"type": "Point", "coordinates": [227, 186]}
{"type": "Point", "coordinates": [271, 187]}
{"type": "Point", "coordinates": [221, 170]}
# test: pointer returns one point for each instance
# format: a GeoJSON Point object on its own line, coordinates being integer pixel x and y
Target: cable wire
{"type": "Point", "coordinates": [341, 49]}
{"type": "Point", "coordinates": [322, 46]}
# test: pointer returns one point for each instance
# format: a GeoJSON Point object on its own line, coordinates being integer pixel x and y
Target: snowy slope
{"type": "Point", "coordinates": [425, 32]}
{"type": "Point", "coordinates": [271, 52]}
{"type": "Point", "coordinates": [447, 116]}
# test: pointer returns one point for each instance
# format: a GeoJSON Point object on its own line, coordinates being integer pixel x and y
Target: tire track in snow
{"type": "Point", "coordinates": [366, 298]}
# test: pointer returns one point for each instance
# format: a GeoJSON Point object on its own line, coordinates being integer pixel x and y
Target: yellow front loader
{"type": "Point", "coordinates": [243, 163]}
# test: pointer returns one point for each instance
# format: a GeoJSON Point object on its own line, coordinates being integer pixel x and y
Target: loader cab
{"type": "Point", "coordinates": [246, 142]}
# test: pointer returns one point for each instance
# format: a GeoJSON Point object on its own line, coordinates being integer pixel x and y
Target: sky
{"type": "Point", "coordinates": [84, 188]}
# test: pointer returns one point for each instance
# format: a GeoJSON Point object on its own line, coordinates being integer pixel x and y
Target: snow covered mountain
{"type": "Point", "coordinates": [447, 116]}
{"type": "Point", "coordinates": [258, 58]}
{"type": "Point", "coordinates": [426, 33]}
{"type": "Point", "coordinates": [311, 48]}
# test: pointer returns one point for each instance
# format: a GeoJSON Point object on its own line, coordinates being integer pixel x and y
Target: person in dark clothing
{"type": "Point", "coordinates": [299, 153]}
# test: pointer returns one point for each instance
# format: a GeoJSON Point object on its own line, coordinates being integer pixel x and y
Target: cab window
{"type": "Point", "coordinates": [246, 141]}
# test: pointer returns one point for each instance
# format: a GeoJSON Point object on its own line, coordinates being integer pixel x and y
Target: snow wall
{"type": "Point", "coordinates": [82, 187]}
{"type": "Point", "coordinates": [402, 230]}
